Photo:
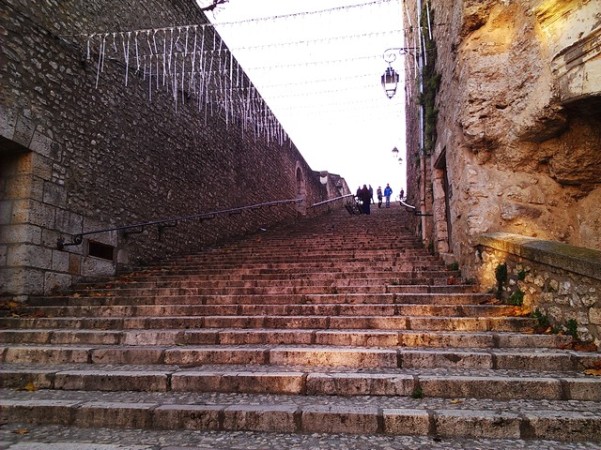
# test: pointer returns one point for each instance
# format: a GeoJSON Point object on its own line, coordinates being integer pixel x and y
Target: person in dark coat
{"type": "Point", "coordinates": [365, 197]}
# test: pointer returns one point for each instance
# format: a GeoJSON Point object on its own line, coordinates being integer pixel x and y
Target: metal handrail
{"type": "Point", "coordinates": [171, 222]}
{"type": "Point", "coordinates": [414, 209]}
{"type": "Point", "coordinates": [331, 200]}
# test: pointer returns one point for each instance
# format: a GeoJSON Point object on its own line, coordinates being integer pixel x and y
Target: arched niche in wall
{"type": "Point", "coordinates": [301, 190]}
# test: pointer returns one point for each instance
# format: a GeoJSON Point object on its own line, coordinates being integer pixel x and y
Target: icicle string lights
{"type": "Point", "coordinates": [175, 60]}
{"type": "Point", "coordinates": [192, 64]}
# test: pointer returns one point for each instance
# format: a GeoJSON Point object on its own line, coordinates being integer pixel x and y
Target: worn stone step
{"type": "Point", "coordinates": [260, 282]}
{"type": "Point", "coordinates": [425, 323]}
{"type": "Point", "coordinates": [307, 355]}
{"type": "Point", "coordinates": [497, 385]}
{"type": "Point", "coordinates": [364, 338]}
{"type": "Point", "coordinates": [275, 299]}
{"type": "Point", "coordinates": [557, 420]}
{"type": "Point", "coordinates": [340, 310]}
{"type": "Point", "coordinates": [377, 338]}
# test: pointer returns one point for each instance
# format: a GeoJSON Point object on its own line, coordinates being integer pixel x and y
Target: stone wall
{"type": "Point", "coordinates": [518, 122]}
{"type": "Point", "coordinates": [81, 151]}
{"type": "Point", "coordinates": [561, 281]}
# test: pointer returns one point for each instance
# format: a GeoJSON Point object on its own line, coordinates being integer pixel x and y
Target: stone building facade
{"type": "Point", "coordinates": [504, 124]}
{"type": "Point", "coordinates": [94, 134]}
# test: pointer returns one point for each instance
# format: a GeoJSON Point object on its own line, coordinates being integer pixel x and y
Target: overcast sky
{"type": "Point", "coordinates": [320, 74]}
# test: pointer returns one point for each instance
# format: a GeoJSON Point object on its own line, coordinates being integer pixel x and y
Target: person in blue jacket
{"type": "Point", "coordinates": [387, 194]}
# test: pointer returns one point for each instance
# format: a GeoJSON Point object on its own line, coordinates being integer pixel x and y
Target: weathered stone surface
{"type": "Point", "coordinates": [88, 154]}
{"type": "Point", "coordinates": [517, 124]}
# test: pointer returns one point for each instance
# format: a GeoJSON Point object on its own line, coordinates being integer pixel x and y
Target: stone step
{"type": "Point", "coordinates": [477, 324]}
{"type": "Point", "coordinates": [340, 310]}
{"type": "Point", "coordinates": [322, 282]}
{"type": "Point", "coordinates": [496, 385]}
{"type": "Point", "coordinates": [364, 338]}
{"type": "Point", "coordinates": [529, 419]}
{"type": "Point", "coordinates": [290, 355]}
{"type": "Point", "coordinates": [432, 299]}
{"type": "Point", "coordinates": [290, 263]}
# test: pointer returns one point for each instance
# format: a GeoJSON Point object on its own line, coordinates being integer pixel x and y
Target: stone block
{"type": "Point", "coordinates": [366, 339]}
{"type": "Point", "coordinates": [23, 131]}
{"type": "Point", "coordinates": [328, 357]}
{"type": "Point", "coordinates": [451, 339]}
{"type": "Point", "coordinates": [18, 187]}
{"type": "Point", "coordinates": [60, 261]}
{"type": "Point", "coordinates": [564, 425]}
{"type": "Point", "coordinates": [120, 415]}
{"type": "Point", "coordinates": [271, 418]}
{"type": "Point", "coordinates": [206, 381]}
{"type": "Point", "coordinates": [338, 419]}
{"type": "Point", "coordinates": [585, 389]}
{"type": "Point", "coordinates": [359, 384]}
{"type": "Point", "coordinates": [533, 361]}
{"type": "Point", "coordinates": [127, 355]}
{"type": "Point", "coordinates": [200, 337]}
{"type": "Point", "coordinates": [97, 380]}
{"type": "Point", "coordinates": [58, 412]}
{"type": "Point", "coordinates": [493, 387]}
{"type": "Point", "coordinates": [46, 355]}
{"type": "Point", "coordinates": [20, 211]}
{"type": "Point", "coordinates": [594, 315]}
{"type": "Point", "coordinates": [29, 336]}
{"type": "Point", "coordinates": [45, 146]}
{"type": "Point", "coordinates": [54, 194]}
{"type": "Point", "coordinates": [56, 282]}
{"type": "Point", "coordinates": [8, 122]}
{"type": "Point", "coordinates": [20, 379]}
{"type": "Point", "coordinates": [416, 359]}
{"type": "Point", "coordinates": [263, 382]}
{"type": "Point", "coordinates": [95, 267]}
{"type": "Point", "coordinates": [6, 212]}
{"type": "Point", "coordinates": [477, 424]}
{"type": "Point", "coordinates": [214, 355]}
{"type": "Point", "coordinates": [85, 337]}
{"type": "Point", "coordinates": [21, 234]}
{"type": "Point", "coordinates": [152, 337]}
{"type": "Point", "coordinates": [21, 281]}
{"type": "Point", "coordinates": [406, 422]}
{"type": "Point", "coordinates": [67, 222]}
{"type": "Point", "coordinates": [188, 417]}
{"type": "Point", "coordinates": [29, 255]}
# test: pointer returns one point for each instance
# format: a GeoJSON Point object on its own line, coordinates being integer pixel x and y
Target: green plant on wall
{"type": "Point", "coordinates": [572, 328]}
{"type": "Point", "coordinates": [516, 298]}
{"type": "Point", "coordinates": [430, 79]}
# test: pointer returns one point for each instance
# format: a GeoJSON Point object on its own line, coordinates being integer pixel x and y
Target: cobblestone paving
{"type": "Point", "coordinates": [26, 437]}
{"type": "Point", "coordinates": [196, 398]}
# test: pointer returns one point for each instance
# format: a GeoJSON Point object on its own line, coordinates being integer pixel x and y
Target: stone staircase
{"type": "Point", "coordinates": [340, 324]}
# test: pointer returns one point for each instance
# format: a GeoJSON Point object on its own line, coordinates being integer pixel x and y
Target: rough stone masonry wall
{"type": "Point", "coordinates": [77, 158]}
{"type": "Point", "coordinates": [562, 282]}
{"type": "Point", "coordinates": [521, 143]}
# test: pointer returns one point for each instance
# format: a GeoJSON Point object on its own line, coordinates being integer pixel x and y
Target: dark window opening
{"type": "Point", "coordinates": [99, 250]}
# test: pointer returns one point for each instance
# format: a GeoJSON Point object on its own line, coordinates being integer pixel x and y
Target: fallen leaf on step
{"type": "Point", "coordinates": [455, 401]}
{"type": "Point", "coordinates": [594, 372]}
{"type": "Point", "coordinates": [29, 387]}
{"type": "Point", "coordinates": [585, 347]}
{"type": "Point", "coordinates": [21, 431]}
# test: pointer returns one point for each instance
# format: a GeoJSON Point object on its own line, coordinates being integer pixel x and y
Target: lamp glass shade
{"type": "Point", "coordinates": [390, 80]}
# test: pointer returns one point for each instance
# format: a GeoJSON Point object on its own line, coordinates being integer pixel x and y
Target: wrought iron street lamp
{"type": "Point", "coordinates": [390, 81]}
{"type": "Point", "coordinates": [390, 78]}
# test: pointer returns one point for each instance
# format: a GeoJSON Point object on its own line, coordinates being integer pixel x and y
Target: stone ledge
{"type": "Point", "coordinates": [582, 261]}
